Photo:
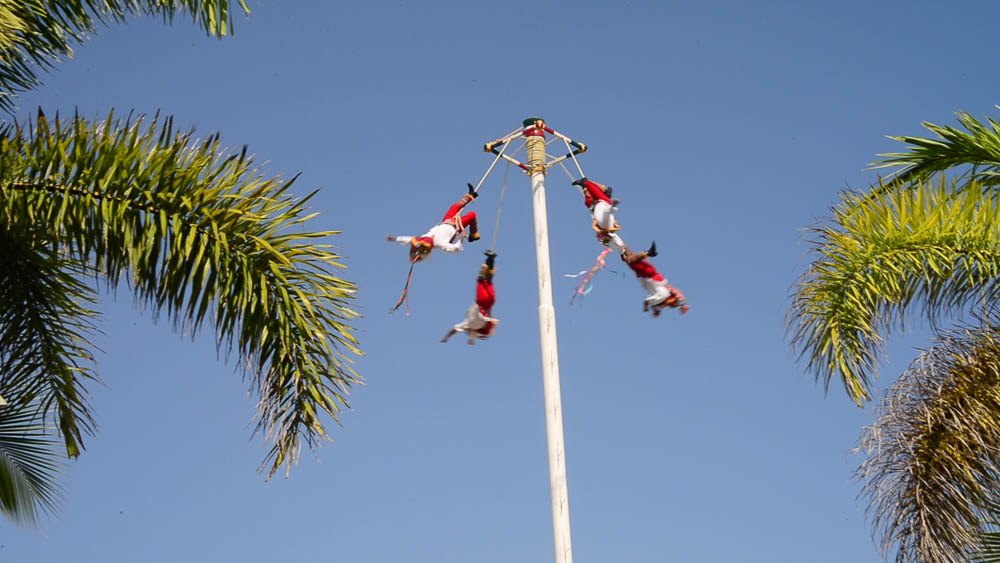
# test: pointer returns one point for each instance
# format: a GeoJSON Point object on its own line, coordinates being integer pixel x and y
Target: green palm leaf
{"type": "Point", "coordinates": [978, 147]}
{"type": "Point", "coordinates": [29, 466]}
{"type": "Point", "coordinates": [933, 453]}
{"type": "Point", "coordinates": [200, 235]}
{"type": "Point", "coordinates": [930, 250]}
{"type": "Point", "coordinates": [45, 321]}
{"type": "Point", "coordinates": [38, 33]}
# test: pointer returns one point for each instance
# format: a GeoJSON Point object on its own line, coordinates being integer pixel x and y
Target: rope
{"type": "Point", "coordinates": [571, 153]}
{"type": "Point", "coordinates": [535, 154]}
{"type": "Point", "coordinates": [566, 170]}
{"type": "Point", "coordinates": [570, 176]}
{"type": "Point", "coordinates": [503, 190]}
{"type": "Point", "coordinates": [575, 161]}
{"type": "Point", "coordinates": [519, 148]}
{"type": "Point", "coordinates": [490, 169]}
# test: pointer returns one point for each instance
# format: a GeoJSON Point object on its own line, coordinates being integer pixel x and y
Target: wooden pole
{"type": "Point", "coordinates": [535, 145]}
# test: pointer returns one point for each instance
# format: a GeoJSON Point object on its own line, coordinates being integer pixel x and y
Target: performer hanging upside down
{"type": "Point", "coordinates": [597, 197]}
{"type": "Point", "coordinates": [661, 294]}
{"type": "Point", "coordinates": [446, 235]}
{"type": "Point", "coordinates": [478, 323]}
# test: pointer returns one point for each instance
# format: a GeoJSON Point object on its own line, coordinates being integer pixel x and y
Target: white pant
{"type": "Point", "coordinates": [657, 291]}
{"type": "Point", "coordinates": [604, 216]}
{"type": "Point", "coordinates": [474, 320]}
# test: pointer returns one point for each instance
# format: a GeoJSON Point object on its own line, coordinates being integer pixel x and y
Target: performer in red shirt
{"type": "Point", "coordinates": [597, 198]}
{"type": "Point", "coordinates": [478, 323]}
{"type": "Point", "coordinates": [660, 293]}
{"type": "Point", "coordinates": [446, 235]}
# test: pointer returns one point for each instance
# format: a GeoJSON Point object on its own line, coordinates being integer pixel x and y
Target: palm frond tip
{"type": "Point", "coordinates": [976, 148]}
{"type": "Point", "coordinates": [29, 466]}
{"type": "Point", "coordinates": [36, 34]}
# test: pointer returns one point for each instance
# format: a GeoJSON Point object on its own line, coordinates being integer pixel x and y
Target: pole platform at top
{"type": "Point", "coordinates": [534, 127]}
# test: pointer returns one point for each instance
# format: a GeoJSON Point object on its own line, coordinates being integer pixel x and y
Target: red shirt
{"type": "Point", "coordinates": [485, 296]}
{"type": "Point", "coordinates": [644, 269]}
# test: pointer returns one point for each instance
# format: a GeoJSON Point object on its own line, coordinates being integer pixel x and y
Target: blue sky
{"type": "Point", "coordinates": [725, 129]}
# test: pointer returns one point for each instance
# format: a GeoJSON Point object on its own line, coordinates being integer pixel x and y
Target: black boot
{"type": "Point", "coordinates": [472, 191]}
{"type": "Point", "coordinates": [652, 250]}
{"type": "Point", "coordinates": [580, 182]}
{"type": "Point", "coordinates": [487, 270]}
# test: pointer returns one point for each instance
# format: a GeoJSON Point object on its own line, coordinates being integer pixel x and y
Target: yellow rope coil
{"type": "Point", "coordinates": [535, 147]}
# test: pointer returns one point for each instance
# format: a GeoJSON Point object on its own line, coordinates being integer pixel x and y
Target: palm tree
{"type": "Point", "coordinates": [197, 232]}
{"type": "Point", "coordinates": [925, 245]}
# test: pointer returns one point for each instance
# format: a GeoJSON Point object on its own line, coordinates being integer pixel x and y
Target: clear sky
{"type": "Point", "coordinates": [724, 127]}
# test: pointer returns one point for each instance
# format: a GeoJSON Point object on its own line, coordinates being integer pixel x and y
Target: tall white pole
{"type": "Point", "coordinates": [535, 145]}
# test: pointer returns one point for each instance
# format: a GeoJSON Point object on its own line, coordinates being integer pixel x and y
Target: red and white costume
{"type": "Point", "coordinates": [478, 323]}
{"type": "Point", "coordinates": [660, 294]}
{"type": "Point", "coordinates": [656, 285]}
{"type": "Point", "coordinates": [446, 235]}
{"type": "Point", "coordinates": [604, 214]}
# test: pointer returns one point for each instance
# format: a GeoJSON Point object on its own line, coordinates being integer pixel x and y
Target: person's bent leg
{"type": "Point", "coordinates": [616, 242]}
{"type": "Point", "coordinates": [457, 207]}
{"type": "Point", "coordinates": [469, 220]}
{"type": "Point", "coordinates": [603, 216]}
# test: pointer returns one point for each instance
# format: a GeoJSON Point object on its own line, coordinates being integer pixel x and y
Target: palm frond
{"type": "Point", "coordinates": [37, 34]}
{"type": "Point", "coordinates": [198, 233]}
{"type": "Point", "coordinates": [977, 146]}
{"type": "Point", "coordinates": [934, 248]}
{"type": "Point", "coordinates": [45, 321]}
{"type": "Point", "coordinates": [30, 466]}
{"type": "Point", "coordinates": [932, 470]}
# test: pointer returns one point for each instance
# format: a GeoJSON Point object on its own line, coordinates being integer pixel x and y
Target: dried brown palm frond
{"type": "Point", "coordinates": [933, 453]}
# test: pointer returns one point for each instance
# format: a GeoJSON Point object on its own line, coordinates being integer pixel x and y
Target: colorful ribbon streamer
{"type": "Point", "coordinates": [582, 288]}
{"type": "Point", "coordinates": [405, 296]}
